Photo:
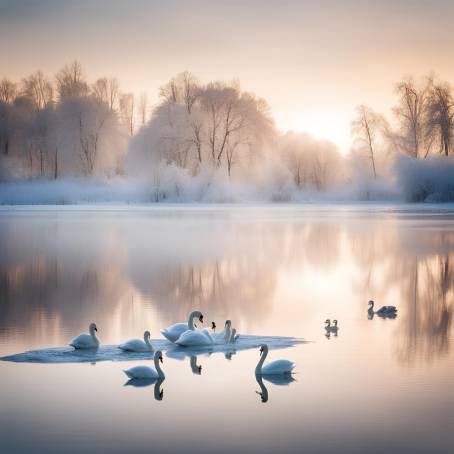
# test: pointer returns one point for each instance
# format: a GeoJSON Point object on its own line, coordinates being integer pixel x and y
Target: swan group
{"type": "Point", "coordinates": [182, 334]}
{"type": "Point", "coordinates": [331, 328]}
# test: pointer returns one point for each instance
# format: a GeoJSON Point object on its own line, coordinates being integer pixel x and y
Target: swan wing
{"type": "Point", "coordinates": [83, 341]}
{"type": "Point", "coordinates": [172, 333]}
{"type": "Point", "coordinates": [194, 338]}
{"type": "Point", "coordinates": [280, 366]}
{"type": "Point", "coordinates": [141, 372]}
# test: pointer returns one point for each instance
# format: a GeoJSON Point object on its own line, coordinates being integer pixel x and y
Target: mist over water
{"type": "Point", "coordinates": [273, 271]}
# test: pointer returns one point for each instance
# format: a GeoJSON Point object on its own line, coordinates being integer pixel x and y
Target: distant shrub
{"type": "Point", "coordinates": [426, 180]}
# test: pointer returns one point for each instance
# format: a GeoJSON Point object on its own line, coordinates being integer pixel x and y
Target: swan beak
{"type": "Point", "coordinates": [96, 329]}
{"type": "Point", "coordinates": [160, 359]}
{"type": "Point", "coordinates": [201, 319]}
{"type": "Point", "coordinates": [261, 351]}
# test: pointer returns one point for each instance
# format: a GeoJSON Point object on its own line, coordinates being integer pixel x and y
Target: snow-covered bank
{"type": "Point", "coordinates": [198, 190]}
{"type": "Point", "coordinates": [430, 180]}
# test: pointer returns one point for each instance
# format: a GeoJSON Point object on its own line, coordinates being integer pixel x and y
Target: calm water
{"type": "Point", "coordinates": [379, 386]}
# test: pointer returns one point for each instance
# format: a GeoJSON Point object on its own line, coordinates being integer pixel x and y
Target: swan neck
{"type": "Point", "coordinates": [93, 334]}
{"type": "Point", "coordinates": [147, 341]}
{"type": "Point", "coordinates": [192, 315]}
{"type": "Point", "coordinates": [258, 369]}
{"type": "Point", "coordinates": [158, 367]}
{"type": "Point", "coordinates": [227, 334]}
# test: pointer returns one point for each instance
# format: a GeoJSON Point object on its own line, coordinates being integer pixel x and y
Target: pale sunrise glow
{"type": "Point", "coordinates": [226, 226]}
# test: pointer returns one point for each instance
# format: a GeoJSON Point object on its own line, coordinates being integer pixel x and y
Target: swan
{"type": "Point", "coordinates": [280, 366]}
{"type": "Point", "coordinates": [195, 337]}
{"type": "Point", "coordinates": [383, 311]}
{"type": "Point", "coordinates": [175, 331]}
{"type": "Point", "coordinates": [227, 331]}
{"type": "Point", "coordinates": [213, 326]}
{"type": "Point", "coordinates": [225, 335]}
{"type": "Point", "coordinates": [85, 341]}
{"type": "Point", "coordinates": [137, 345]}
{"type": "Point", "coordinates": [145, 371]}
{"type": "Point", "coordinates": [234, 336]}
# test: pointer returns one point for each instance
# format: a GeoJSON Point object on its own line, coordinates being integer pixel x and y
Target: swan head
{"type": "Point", "coordinates": [198, 314]}
{"type": "Point", "coordinates": [335, 322]}
{"type": "Point", "coordinates": [371, 304]}
{"type": "Point", "coordinates": [263, 348]}
{"type": "Point", "coordinates": [92, 327]}
{"type": "Point", "coordinates": [146, 335]}
{"type": "Point", "coordinates": [158, 355]}
{"type": "Point", "coordinates": [213, 326]}
{"type": "Point", "coordinates": [328, 321]}
{"type": "Point", "coordinates": [228, 323]}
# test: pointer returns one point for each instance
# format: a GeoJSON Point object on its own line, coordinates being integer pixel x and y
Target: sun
{"type": "Point", "coordinates": [322, 125]}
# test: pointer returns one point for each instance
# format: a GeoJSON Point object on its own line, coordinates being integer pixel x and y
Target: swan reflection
{"type": "Point", "coordinates": [278, 380]}
{"type": "Point", "coordinates": [197, 370]}
{"type": "Point", "coordinates": [228, 355]}
{"type": "Point", "coordinates": [144, 382]}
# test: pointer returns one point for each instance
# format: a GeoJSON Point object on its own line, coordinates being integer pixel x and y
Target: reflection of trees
{"type": "Point", "coordinates": [60, 273]}
{"type": "Point", "coordinates": [237, 281]}
{"type": "Point", "coordinates": [417, 264]}
{"type": "Point", "coordinates": [233, 287]}
{"type": "Point", "coordinates": [54, 279]}
{"type": "Point", "coordinates": [426, 322]}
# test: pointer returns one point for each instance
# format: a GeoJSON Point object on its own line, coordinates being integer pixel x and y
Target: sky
{"type": "Point", "coordinates": [313, 61]}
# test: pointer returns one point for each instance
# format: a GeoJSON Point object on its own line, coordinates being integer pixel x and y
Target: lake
{"type": "Point", "coordinates": [380, 385]}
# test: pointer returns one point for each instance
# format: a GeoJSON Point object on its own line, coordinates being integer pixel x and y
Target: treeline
{"type": "Point", "coordinates": [218, 126]}
{"type": "Point", "coordinates": [53, 127]}
{"type": "Point", "coordinates": [422, 124]}
{"type": "Point", "coordinates": [67, 126]}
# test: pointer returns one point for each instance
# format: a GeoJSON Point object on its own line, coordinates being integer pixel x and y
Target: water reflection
{"type": "Point", "coordinates": [196, 369]}
{"type": "Point", "coordinates": [158, 391]}
{"type": "Point", "coordinates": [60, 271]}
{"type": "Point", "coordinates": [427, 321]}
{"type": "Point", "coordinates": [278, 380]}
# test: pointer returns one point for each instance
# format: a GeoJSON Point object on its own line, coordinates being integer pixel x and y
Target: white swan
{"type": "Point", "coordinates": [195, 337]}
{"type": "Point", "coordinates": [86, 341]}
{"type": "Point", "coordinates": [145, 371]}
{"type": "Point", "coordinates": [175, 331]}
{"type": "Point", "coordinates": [280, 366]}
{"type": "Point", "coordinates": [234, 336]}
{"type": "Point", "coordinates": [137, 345]}
{"type": "Point", "coordinates": [225, 335]}
{"type": "Point", "coordinates": [384, 310]}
